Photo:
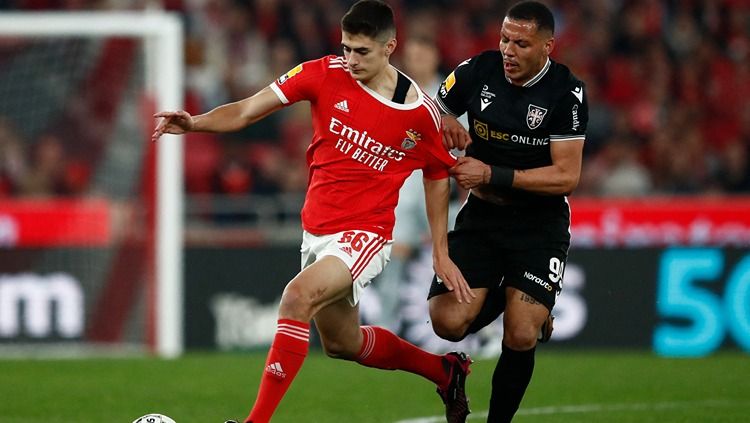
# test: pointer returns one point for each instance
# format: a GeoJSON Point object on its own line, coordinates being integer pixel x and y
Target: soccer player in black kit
{"type": "Point", "coordinates": [527, 119]}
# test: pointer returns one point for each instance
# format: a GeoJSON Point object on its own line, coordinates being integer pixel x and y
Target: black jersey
{"type": "Point", "coordinates": [513, 125]}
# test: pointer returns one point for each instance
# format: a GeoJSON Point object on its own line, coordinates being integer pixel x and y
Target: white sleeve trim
{"type": "Point", "coordinates": [280, 94]}
{"type": "Point", "coordinates": [554, 138]}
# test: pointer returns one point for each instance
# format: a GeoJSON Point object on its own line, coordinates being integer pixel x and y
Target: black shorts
{"type": "Point", "coordinates": [499, 246]}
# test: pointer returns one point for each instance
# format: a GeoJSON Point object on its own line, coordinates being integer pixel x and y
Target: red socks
{"type": "Point", "coordinates": [384, 350]}
{"type": "Point", "coordinates": [380, 349]}
{"type": "Point", "coordinates": [287, 353]}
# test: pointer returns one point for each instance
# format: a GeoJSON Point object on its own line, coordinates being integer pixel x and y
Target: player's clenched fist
{"type": "Point", "coordinates": [454, 134]}
{"type": "Point", "coordinates": [470, 172]}
{"type": "Point", "coordinates": [177, 122]}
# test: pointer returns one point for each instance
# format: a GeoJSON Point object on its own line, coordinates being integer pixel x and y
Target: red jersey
{"type": "Point", "coordinates": [364, 146]}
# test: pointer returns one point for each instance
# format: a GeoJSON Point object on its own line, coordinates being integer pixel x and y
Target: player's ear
{"type": "Point", "coordinates": [549, 45]}
{"type": "Point", "coordinates": [390, 47]}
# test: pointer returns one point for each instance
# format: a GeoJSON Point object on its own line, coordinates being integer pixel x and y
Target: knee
{"type": "Point", "coordinates": [295, 304]}
{"type": "Point", "coordinates": [339, 350]}
{"type": "Point", "coordinates": [450, 329]}
{"type": "Point", "coordinates": [520, 337]}
{"type": "Point", "coordinates": [448, 321]}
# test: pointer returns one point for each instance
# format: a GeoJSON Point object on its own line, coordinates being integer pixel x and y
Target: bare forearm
{"type": "Point", "coordinates": [549, 180]}
{"type": "Point", "coordinates": [234, 116]}
{"type": "Point", "coordinates": [437, 196]}
{"type": "Point", "coordinates": [225, 118]}
{"type": "Point", "coordinates": [559, 178]}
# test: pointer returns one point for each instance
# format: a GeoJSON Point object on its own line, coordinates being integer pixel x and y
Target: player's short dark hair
{"type": "Point", "coordinates": [533, 11]}
{"type": "Point", "coordinates": [372, 18]}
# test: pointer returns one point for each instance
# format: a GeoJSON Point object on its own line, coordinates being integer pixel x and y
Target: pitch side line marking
{"type": "Point", "coordinates": [592, 408]}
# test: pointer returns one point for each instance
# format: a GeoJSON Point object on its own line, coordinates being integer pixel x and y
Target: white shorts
{"type": "Point", "coordinates": [364, 253]}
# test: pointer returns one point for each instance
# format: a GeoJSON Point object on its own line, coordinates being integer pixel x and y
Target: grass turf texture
{"type": "Point", "coordinates": [209, 388]}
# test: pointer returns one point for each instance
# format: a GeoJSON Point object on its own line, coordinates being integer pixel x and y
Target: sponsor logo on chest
{"type": "Point", "coordinates": [483, 131]}
{"type": "Point", "coordinates": [361, 147]}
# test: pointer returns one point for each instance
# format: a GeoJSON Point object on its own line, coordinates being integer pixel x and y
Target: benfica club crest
{"type": "Point", "coordinates": [535, 116]}
{"type": "Point", "coordinates": [411, 139]}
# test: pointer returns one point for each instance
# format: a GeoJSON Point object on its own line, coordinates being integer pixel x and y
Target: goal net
{"type": "Point", "coordinates": [90, 209]}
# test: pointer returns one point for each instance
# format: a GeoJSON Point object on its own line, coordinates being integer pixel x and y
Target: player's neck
{"type": "Point", "coordinates": [384, 82]}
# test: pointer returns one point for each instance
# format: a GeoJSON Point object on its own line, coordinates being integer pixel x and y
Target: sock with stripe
{"type": "Point", "coordinates": [285, 358]}
{"type": "Point", "coordinates": [382, 349]}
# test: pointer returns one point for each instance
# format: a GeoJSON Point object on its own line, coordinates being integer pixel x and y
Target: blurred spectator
{"type": "Point", "coordinates": [421, 62]}
{"type": "Point", "coordinates": [308, 32]}
{"type": "Point", "coordinates": [455, 37]}
{"type": "Point", "coordinates": [12, 159]}
{"type": "Point", "coordinates": [601, 120]}
{"type": "Point", "coordinates": [230, 60]}
{"type": "Point", "coordinates": [685, 164]}
{"type": "Point", "coordinates": [269, 167]}
{"type": "Point", "coordinates": [46, 168]}
{"type": "Point", "coordinates": [734, 168]}
{"type": "Point", "coordinates": [682, 33]}
{"type": "Point", "coordinates": [618, 171]}
{"type": "Point", "coordinates": [76, 177]}
{"type": "Point", "coordinates": [232, 177]}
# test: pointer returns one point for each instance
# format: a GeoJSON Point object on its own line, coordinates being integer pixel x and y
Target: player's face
{"type": "Point", "coordinates": [525, 50]}
{"type": "Point", "coordinates": [366, 57]}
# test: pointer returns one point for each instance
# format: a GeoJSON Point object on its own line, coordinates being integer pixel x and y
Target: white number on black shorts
{"type": "Point", "coordinates": [556, 267]}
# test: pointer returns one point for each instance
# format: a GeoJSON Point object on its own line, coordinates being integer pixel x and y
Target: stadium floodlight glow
{"type": "Point", "coordinates": [161, 34]}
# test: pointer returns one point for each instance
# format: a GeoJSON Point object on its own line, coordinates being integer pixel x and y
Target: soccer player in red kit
{"type": "Point", "coordinates": [372, 127]}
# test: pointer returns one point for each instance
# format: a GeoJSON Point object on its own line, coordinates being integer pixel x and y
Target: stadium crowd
{"type": "Point", "coordinates": [668, 83]}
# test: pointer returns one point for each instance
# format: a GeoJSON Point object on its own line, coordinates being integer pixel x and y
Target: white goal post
{"type": "Point", "coordinates": [162, 35]}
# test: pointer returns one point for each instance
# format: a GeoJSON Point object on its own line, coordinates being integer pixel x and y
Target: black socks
{"type": "Point", "coordinates": [509, 382]}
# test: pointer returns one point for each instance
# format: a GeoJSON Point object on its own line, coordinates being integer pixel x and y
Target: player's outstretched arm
{"type": "Point", "coordinates": [226, 118]}
{"type": "Point", "coordinates": [437, 195]}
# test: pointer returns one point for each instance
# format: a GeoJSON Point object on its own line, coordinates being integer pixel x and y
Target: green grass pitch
{"type": "Point", "coordinates": [568, 386]}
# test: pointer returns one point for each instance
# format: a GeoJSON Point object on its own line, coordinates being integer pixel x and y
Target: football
{"type": "Point", "coordinates": [153, 418]}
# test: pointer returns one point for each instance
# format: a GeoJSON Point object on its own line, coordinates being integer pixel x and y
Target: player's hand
{"type": "Point", "coordinates": [449, 274]}
{"type": "Point", "coordinates": [177, 122]}
{"type": "Point", "coordinates": [454, 134]}
{"type": "Point", "coordinates": [470, 172]}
